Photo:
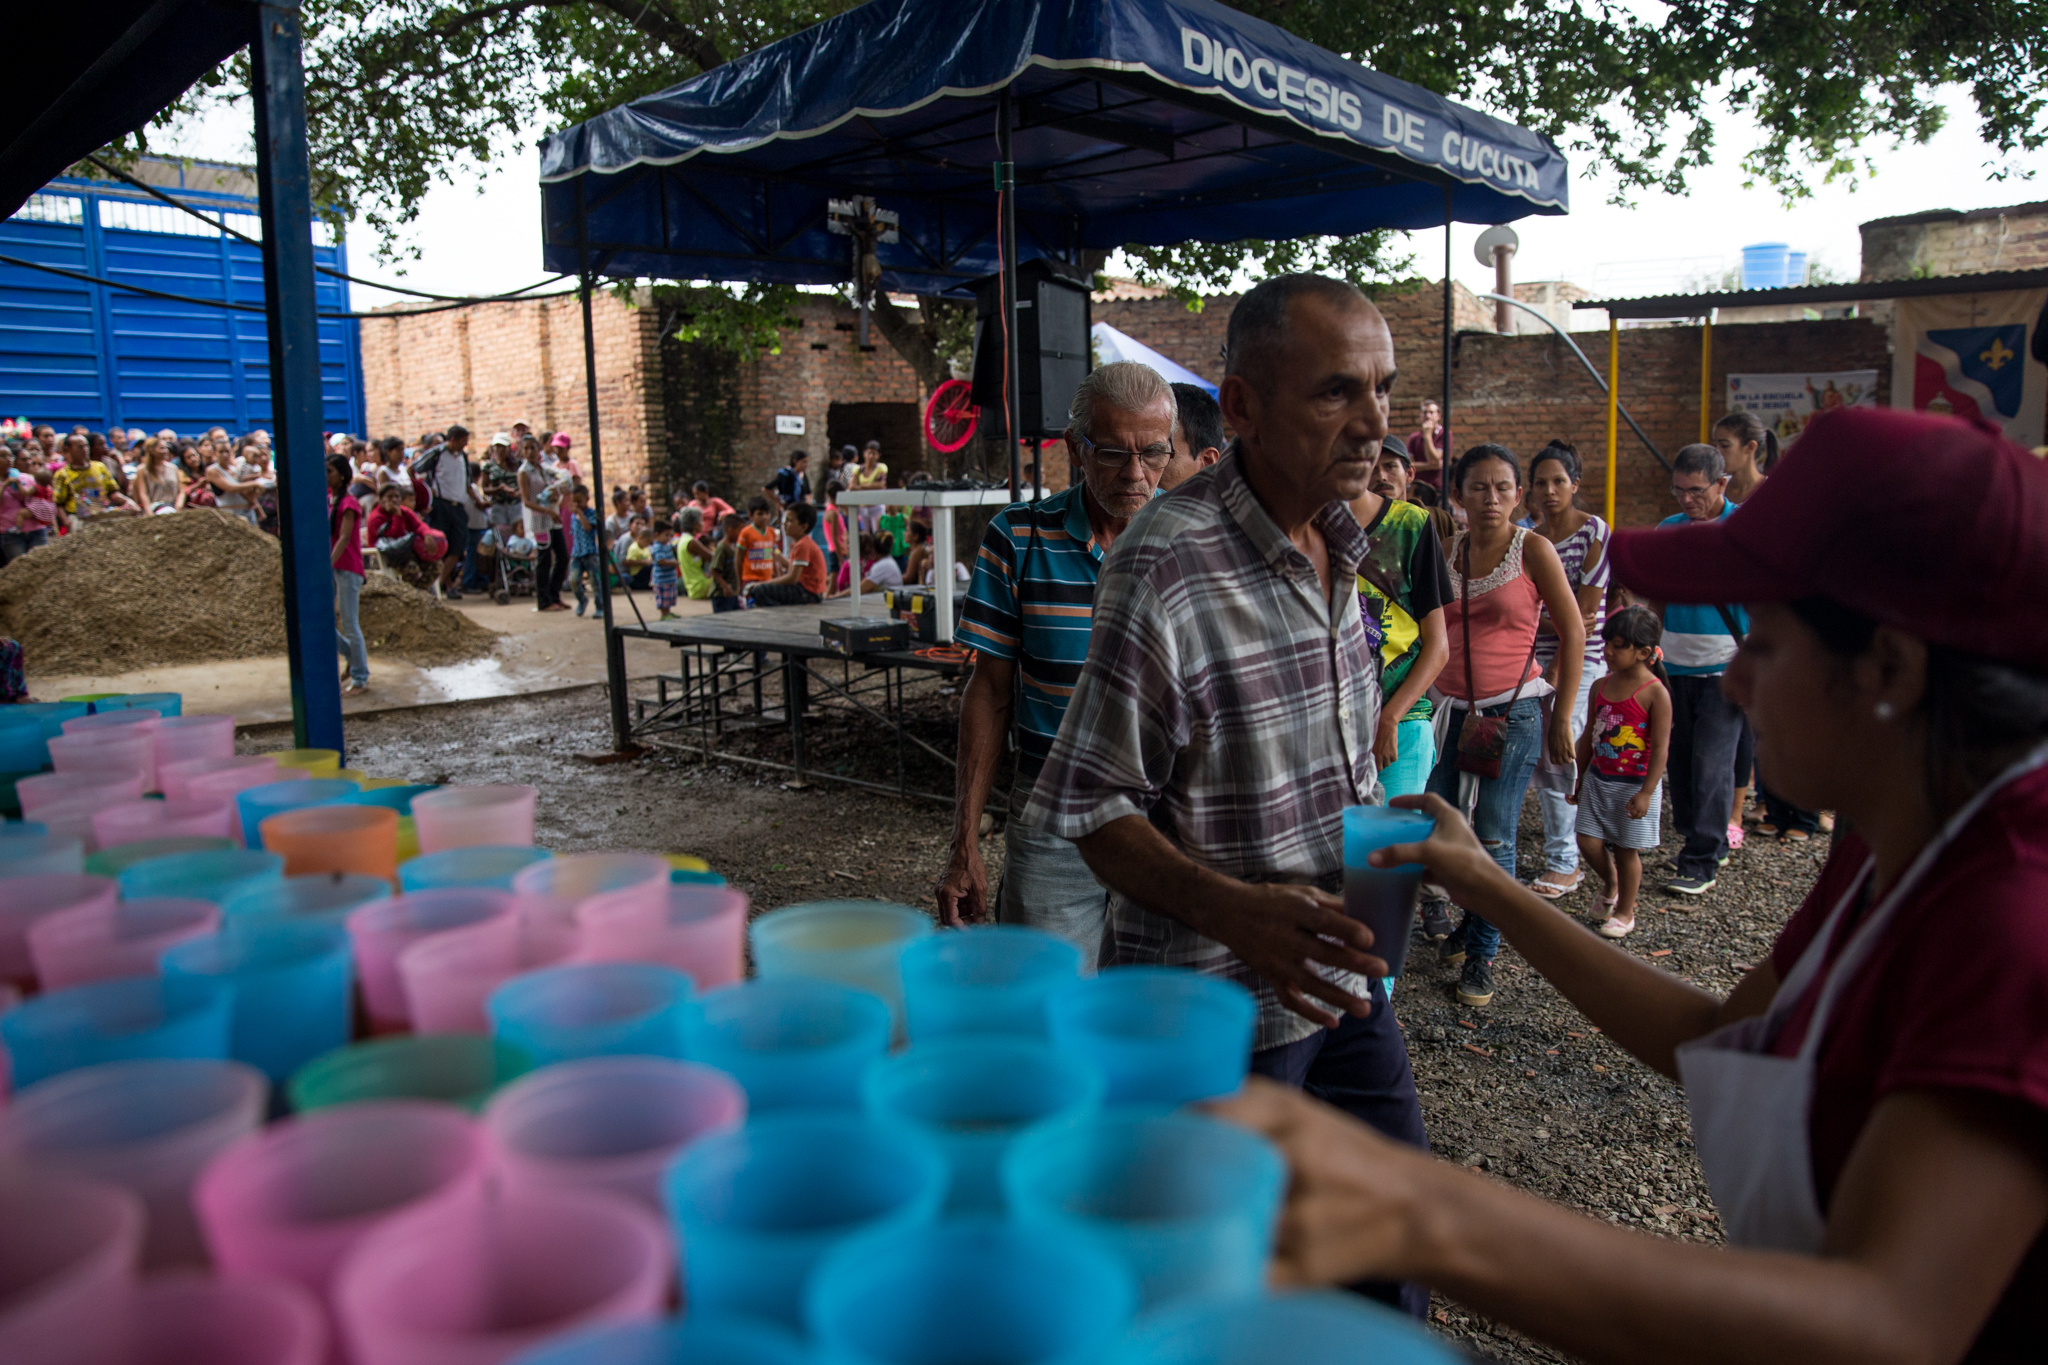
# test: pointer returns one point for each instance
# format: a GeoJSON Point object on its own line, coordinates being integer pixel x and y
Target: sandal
{"type": "Point", "coordinates": [1734, 836]}
{"type": "Point", "coordinates": [1615, 927]}
{"type": "Point", "coordinates": [1768, 830]}
{"type": "Point", "coordinates": [1797, 836]}
{"type": "Point", "coordinates": [1550, 888]}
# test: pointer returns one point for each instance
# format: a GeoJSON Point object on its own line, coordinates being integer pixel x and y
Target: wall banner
{"type": "Point", "coordinates": [1968, 354]}
{"type": "Point", "coordinates": [1787, 402]}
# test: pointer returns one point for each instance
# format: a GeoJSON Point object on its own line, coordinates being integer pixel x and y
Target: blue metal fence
{"type": "Point", "coordinates": [73, 352]}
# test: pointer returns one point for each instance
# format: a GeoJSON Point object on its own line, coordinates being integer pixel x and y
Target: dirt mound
{"type": "Point", "coordinates": [199, 585]}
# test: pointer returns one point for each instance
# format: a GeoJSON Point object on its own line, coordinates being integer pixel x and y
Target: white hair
{"type": "Point", "coordinates": [1126, 385]}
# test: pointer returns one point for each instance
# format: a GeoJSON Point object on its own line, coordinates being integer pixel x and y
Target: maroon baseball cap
{"type": "Point", "coordinates": [1937, 526]}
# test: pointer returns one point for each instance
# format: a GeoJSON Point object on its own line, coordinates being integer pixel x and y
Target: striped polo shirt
{"type": "Point", "coordinates": [1045, 556]}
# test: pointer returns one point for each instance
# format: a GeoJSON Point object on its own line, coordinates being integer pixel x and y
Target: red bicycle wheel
{"type": "Point", "coordinates": [950, 416]}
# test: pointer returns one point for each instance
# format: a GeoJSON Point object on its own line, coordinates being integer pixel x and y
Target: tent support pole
{"type": "Point", "coordinates": [285, 185]}
{"type": "Point", "coordinates": [1006, 210]}
{"type": "Point", "coordinates": [1706, 374]}
{"type": "Point", "coordinates": [1444, 455]}
{"type": "Point", "coordinates": [614, 643]}
{"type": "Point", "coordinates": [1613, 406]}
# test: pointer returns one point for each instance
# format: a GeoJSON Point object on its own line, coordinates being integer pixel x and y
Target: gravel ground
{"type": "Point", "coordinates": [1524, 1090]}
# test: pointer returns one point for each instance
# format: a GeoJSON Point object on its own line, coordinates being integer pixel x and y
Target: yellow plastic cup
{"type": "Point", "coordinates": [350, 773]}
{"type": "Point", "coordinates": [318, 762]}
{"type": "Point", "coordinates": [336, 838]}
{"type": "Point", "coordinates": [408, 838]}
{"type": "Point", "coordinates": [683, 862]}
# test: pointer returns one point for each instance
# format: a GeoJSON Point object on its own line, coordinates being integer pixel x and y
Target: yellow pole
{"type": "Point", "coordinates": [1706, 375]}
{"type": "Point", "coordinates": [1613, 405]}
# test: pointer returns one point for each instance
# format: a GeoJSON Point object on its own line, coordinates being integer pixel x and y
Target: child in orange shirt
{"type": "Point", "coordinates": [758, 544]}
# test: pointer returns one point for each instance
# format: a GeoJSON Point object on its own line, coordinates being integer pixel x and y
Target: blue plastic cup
{"type": "Point", "coordinates": [859, 943]}
{"type": "Point", "coordinates": [112, 862]}
{"type": "Point", "coordinates": [1161, 1035]}
{"type": "Point", "coordinates": [28, 728]}
{"type": "Point", "coordinates": [963, 1293]}
{"type": "Point", "coordinates": [217, 875]}
{"type": "Point", "coordinates": [392, 798]}
{"type": "Point", "coordinates": [1383, 898]}
{"type": "Point", "coordinates": [316, 898]}
{"type": "Point", "coordinates": [758, 1207]}
{"type": "Point", "coordinates": [1319, 1328]}
{"type": "Point", "coordinates": [32, 851]}
{"type": "Point", "coordinates": [592, 1009]}
{"type": "Point", "coordinates": [1187, 1203]}
{"type": "Point", "coordinates": [974, 1097]}
{"type": "Point", "coordinates": [123, 1020]}
{"type": "Point", "coordinates": [795, 1043]}
{"type": "Point", "coordinates": [730, 1340]}
{"type": "Point", "coordinates": [163, 703]}
{"type": "Point", "coordinates": [478, 865]}
{"type": "Point", "coordinates": [258, 804]}
{"type": "Point", "coordinates": [292, 989]}
{"type": "Point", "coordinates": [987, 980]}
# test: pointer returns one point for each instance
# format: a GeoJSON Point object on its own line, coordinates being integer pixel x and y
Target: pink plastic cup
{"type": "Point", "coordinates": [71, 818]}
{"type": "Point", "coordinates": [384, 929]}
{"type": "Point", "coordinates": [53, 789]}
{"type": "Point", "coordinates": [24, 900]}
{"type": "Point", "coordinates": [118, 751]}
{"type": "Point", "coordinates": [223, 783]}
{"type": "Point", "coordinates": [479, 1279]}
{"type": "Point", "coordinates": [106, 939]}
{"type": "Point", "coordinates": [178, 777]}
{"type": "Point", "coordinates": [293, 1199]}
{"type": "Point", "coordinates": [148, 1126]}
{"type": "Point", "coordinates": [607, 1123]}
{"type": "Point", "coordinates": [459, 817]}
{"type": "Point", "coordinates": [141, 721]}
{"type": "Point", "coordinates": [192, 1320]}
{"type": "Point", "coordinates": [618, 901]}
{"type": "Point", "coordinates": [705, 937]}
{"type": "Point", "coordinates": [67, 1267]}
{"type": "Point", "coordinates": [180, 739]}
{"type": "Point", "coordinates": [130, 822]}
{"type": "Point", "coordinates": [448, 976]}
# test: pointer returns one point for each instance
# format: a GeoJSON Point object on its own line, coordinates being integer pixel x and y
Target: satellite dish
{"type": "Point", "coordinates": [1502, 235]}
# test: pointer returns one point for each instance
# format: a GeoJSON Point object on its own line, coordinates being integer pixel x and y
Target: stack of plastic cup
{"type": "Point", "coordinates": [1320, 1328]}
{"type": "Point", "coordinates": [358, 839]}
{"type": "Point", "coordinates": [129, 822]}
{"type": "Point", "coordinates": [459, 817]}
{"type": "Point", "coordinates": [165, 704]}
{"type": "Point", "coordinates": [757, 1208]}
{"type": "Point", "coordinates": [607, 1123]}
{"type": "Point", "coordinates": [107, 720]}
{"type": "Point", "coordinates": [395, 796]}
{"type": "Point", "coordinates": [796, 1043]}
{"type": "Point", "coordinates": [68, 1270]}
{"type": "Point", "coordinates": [318, 762]}
{"type": "Point", "coordinates": [23, 749]}
{"type": "Point", "coordinates": [699, 1341]}
{"type": "Point", "coordinates": [291, 986]}
{"type": "Point", "coordinates": [180, 739]}
{"type": "Point", "coordinates": [230, 783]}
{"type": "Point", "coordinates": [462, 1069]}
{"type": "Point", "coordinates": [49, 790]}
{"type": "Point", "coordinates": [860, 943]}
{"type": "Point", "coordinates": [291, 1200]}
{"type": "Point", "coordinates": [384, 929]}
{"type": "Point", "coordinates": [118, 752]}
{"type": "Point", "coordinates": [106, 940]}
{"type": "Point", "coordinates": [485, 865]}
{"type": "Point", "coordinates": [987, 980]}
{"type": "Point", "coordinates": [28, 899]}
{"type": "Point", "coordinates": [704, 935]}
{"type": "Point", "coordinates": [127, 1019]}
{"type": "Point", "coordinates": [447, 977]}
{"type": "Point", "coordinates": [257, 804]}
{"type": "Point", "coordinates": [36, 852]}
{"type": "Point", "coordinates": [593, 1009]}
{"type": "Point", "coordinates": [1187, 1203]}
{"type": "Point", "coordinates": [619, 901]}
{"type": "Point", "coordinates": [1161, 1035]}
{"type": "Point", "coordinates": [183, 1319]}
{"type": "Point", "coordinates": [973, 1097]}
{"type": "Point", "coordinates": [112, 862]}
{"type": "Point", "coordinates": [179, 776]}
{"type": "Point", "coordinates": [959, 1293]}
{"type": "Point", "coordinates": [320, 897]}
{"type": "Point", "coordinates": [216, 875]}
{"type": "Point", "coordinates": [147, 1126]}
{"type": "Point", "coordinates": [481, 1277]}
{"type": "Point", "coordinates": [71, 818]}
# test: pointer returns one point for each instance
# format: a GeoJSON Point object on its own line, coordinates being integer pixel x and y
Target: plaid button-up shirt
{"type": "Point", "coordinates": [1228, 700]}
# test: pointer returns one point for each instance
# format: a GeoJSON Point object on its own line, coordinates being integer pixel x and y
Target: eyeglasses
{"type": "Point", "coordinates": [1690, 494]}
{"type": "Point", "coordinates": [1154, 457]}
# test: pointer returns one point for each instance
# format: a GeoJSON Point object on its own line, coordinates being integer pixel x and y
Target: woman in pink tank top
{"type": "Point", "coordinates": [1502, 579]}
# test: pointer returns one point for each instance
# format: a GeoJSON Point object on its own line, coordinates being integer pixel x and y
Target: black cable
{"type": "Point", "coordinates": [153, 192]}
{"type": "Point", "coordinates": [252, 307]}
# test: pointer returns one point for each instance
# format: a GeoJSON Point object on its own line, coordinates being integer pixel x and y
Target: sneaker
{"type": "Point", "coordinates": [1453, 950]}
{"type": "Point", "coordinates": [1436, 920]}
{"type": "Point", "coordinates": [1475, 983]}
{"type": "Point", "coordinates": [1689, 886]}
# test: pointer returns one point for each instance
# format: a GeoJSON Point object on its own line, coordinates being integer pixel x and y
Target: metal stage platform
{"type": "Point", "coordinates": [723, 661]}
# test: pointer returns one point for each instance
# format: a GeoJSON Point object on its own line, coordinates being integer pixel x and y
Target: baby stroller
{"type": "Point", "coordinates": [512, 557]}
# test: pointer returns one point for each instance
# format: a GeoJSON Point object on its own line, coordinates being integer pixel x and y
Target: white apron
{"type": "Point", "coordinates": [1750, 1110]}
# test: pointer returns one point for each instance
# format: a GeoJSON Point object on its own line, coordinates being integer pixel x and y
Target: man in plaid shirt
{"type": "Point", "coordinates": [1226, 713]}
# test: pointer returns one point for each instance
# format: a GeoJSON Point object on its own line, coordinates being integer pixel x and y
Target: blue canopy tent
{"type": "Point", "coordinates": [960, 137]}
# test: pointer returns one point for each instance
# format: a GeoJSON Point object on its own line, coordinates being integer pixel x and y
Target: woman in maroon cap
{"type": "Point", "coordinates": [1870, 1104]}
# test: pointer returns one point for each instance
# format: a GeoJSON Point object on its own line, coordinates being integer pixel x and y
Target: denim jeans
{"type": "Point", "coordinates": [583, 572]}
{"type": "Point", "coordinates": [348, 629]}
{"type": "Point", "coordinates": [1498, 810]}
{"type": "Point", "coordinates": [1560, 816]}
{"type": "Point", "coordinates": [15, 544]}
{"type": "Point", "coordinates": [473, 579]}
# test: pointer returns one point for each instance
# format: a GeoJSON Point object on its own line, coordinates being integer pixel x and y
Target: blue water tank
{"type": "Point", "coordinates": [1795, 268]}
{"type": "Point", "coordinates": [1765, 265]}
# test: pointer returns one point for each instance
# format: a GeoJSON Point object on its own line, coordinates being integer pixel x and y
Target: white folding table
{"type": "Point", "coordinates": [943, 502]}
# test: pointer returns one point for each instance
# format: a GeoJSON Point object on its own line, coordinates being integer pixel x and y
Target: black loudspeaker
{"type": "Point", "coordinates": [1053, 352]}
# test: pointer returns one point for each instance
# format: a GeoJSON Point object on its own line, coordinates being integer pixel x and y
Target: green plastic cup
{"type": "Point", "coordinates": [114, 861]}
{"type": "Point", "coordinates": [464, 1069]}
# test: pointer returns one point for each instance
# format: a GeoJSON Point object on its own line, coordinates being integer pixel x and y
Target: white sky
{"type": "Point", "coordinates": [482, 234]}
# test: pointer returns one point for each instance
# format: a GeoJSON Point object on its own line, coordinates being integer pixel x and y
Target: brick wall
{"type": "Point", "coordinates": [1947, 242]}
{"type": "Point", "coordinates": [490, 365]}
{"type": "Point", "coordinates": [1522, 391]}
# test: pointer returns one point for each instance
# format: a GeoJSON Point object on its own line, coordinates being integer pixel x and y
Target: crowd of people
{"type": "Point", "coordinates": [1199, 672]}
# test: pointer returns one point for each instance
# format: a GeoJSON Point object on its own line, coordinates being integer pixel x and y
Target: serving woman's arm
{"type": "Point", "coordinates": [1546, 570]}
{"type": "Point", "coordinates": [1942, 1196]}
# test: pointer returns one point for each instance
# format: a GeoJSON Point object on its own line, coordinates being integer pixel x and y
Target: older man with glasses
{"type": "Point", "coordinates": [1028, 614]}
{"type": "Point", "coordinates": [1699, 642]}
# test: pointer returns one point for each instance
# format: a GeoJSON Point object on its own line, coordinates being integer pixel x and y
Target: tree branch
{"type": "Point", "coordinates": [653, 18]}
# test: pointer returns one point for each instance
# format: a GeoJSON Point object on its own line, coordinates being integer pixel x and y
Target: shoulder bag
{"type": "Point", "coordinates": [1483, 739]}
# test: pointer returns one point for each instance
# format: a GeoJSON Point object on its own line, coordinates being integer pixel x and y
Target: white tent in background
{"type": "Point", "coordinates": [1112, 345]}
